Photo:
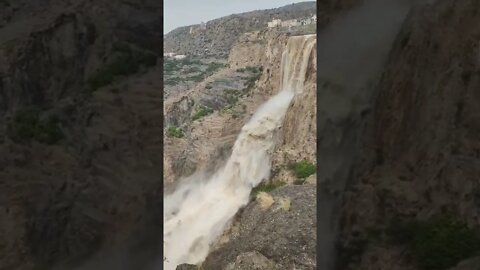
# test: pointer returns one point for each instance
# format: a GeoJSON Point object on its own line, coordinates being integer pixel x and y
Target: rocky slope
{"type": "Point", "coordinates": [80, 152]}
{"type": "Point", "coordinates": [233, 94]}
{"type": "Point", "coordinates": [421, 147]}
{"type": "Point", "coordinates": [284, 238]}
{"type": "Point", "coordinates": [221, 34]}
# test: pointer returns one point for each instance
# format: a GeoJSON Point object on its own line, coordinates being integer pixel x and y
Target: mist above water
{"type": "Point", "coordinates": [199, 210]}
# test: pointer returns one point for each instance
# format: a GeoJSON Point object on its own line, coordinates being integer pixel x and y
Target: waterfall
{"type": "Point", "coordinates": [200, 209]}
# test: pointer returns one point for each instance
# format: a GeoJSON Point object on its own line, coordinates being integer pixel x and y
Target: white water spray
{"type": "Point", "coordinates": [197, 213]}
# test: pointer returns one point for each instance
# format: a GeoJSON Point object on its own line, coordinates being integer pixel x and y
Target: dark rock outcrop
{"type": "Point", "coordinates": [187, 267]}
{"type": "Point", "coordinates": [284, 237]}
{"type": "Point", "coordinates": [421, 142]}
{"type": "Point", "coordinates": [97, 186]}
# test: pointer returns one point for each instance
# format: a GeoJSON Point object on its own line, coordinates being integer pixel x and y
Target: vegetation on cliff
{"type": "Point", "coordinates": [438, 243]}
{"type": "Point", "coordinates": [126, 59]}
{"type": "Point", "coordinates": [27, 125]}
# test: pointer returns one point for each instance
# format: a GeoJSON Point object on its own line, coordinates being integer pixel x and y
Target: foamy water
{"type": "Point", "coordinates": [200, 209]}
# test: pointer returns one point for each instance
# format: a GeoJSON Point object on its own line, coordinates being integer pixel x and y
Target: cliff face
{"type": "Point", "coordinates": [279, 238]}
{"type": "Point", "coordinates": [249, 242]}
{"type": "Point", "coordinates": [75, 174]}
{"type": "Point", "coordinates": [41, 53]}
{"type": "Point", "coordinates": [421, 144]}
{"type": "Point", "coordinates": [208, 140]}
{"type": "Point", "coordinates": [297, 140]}
{"type": "Point", "coordinates": [221, 34]}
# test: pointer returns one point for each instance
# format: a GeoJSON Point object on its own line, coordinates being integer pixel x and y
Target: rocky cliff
{"type": "Point", "coordinates": [80, 100]}
{"type": "Point", "coordinates": [233, 94]}
{"type": "Point", "coordinates": [221, 34]}
{"type": "Point", "coordinates": [420, 149]}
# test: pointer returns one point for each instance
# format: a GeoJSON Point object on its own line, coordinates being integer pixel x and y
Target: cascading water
{"type": "Point", "coordinates": [199, 210]}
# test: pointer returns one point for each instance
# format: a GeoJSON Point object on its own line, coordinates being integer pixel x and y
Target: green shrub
{"type": "Point", "coordinates": [170, 66]}
{"type": "Point", "coordinates": [232, 100]}
{"type": "Point", "coordinates": [189, 61]}
{"type": "Point", "coordinates": [255, 70]}
{"type": "Point", "coordinates": [252, 80]}
{"type": "Point", "coordinates": [442, 242]}
{"type": "Point", "coordinates": [267, 187]}
{"type": "Point", "coordinates": [48, 131]}
{"type": "Point", "coordinates": [350, 252]}
{"type": "Point", "coordinates": [172, 81]}
{"type": "Point", "coordinates": [175, 132]}
{"type": "Point", "coordinates": [196, 78]}
{"type": "Point", "coordinates": [192, 69]}
{"type": "Point", "coordinates": [201, 112]}
{"type": "Point", "coordinates": [228, 109]}
{"type": "Point", "coordinates": [438, 243]}
{"type": "Point", "coordinates": [222, 80]}
{"type": "Point", "coordinates": [232, 92]}
{"type": "Point", "coordinates": [126, 60]}
{"type": "Point", "coordinates": [232, 96]}
{"type": "Point", "coordinates": [303, 29]}
{"type": "Point", "coordinates": [24, 124]}
{"type": "Point", "coordinates": [27, 126]}
{"type": "Point", "coordinates": [400, 232]}
{"type": "Point", "coordinates": [303, 169]}
{"type": "Point", "coordinates": [212, 67]}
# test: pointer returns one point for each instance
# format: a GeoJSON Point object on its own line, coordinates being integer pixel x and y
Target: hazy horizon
{"type": "Point", "coordinates": [178, 13]}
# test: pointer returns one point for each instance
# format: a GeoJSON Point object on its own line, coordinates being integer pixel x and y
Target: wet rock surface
{"type": "Point", "coordinates": [252, 260]}
{"type": "Point", "coordinates": [187, 267]}
{"type": "Point", "coordinates": [284, 238]}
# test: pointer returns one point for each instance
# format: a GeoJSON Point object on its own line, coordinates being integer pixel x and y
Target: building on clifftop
{"type": "Point", "coordinates": [274, 23]}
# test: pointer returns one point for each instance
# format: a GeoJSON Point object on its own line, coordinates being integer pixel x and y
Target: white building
{"type": "Point", "coordinates": [174, 56]}
{"type": "Point", "coordinates": [196, 28]}
{"type": "Point", "coordinates": [179, 57]}
{"type": "Point", "coordinates": [293, 22]}
{"type": "Point", "coordinates": [306, 21]}
{"type": "Point", "coordinates": [290, 23]}
{"type": "Point", "coordinates": [274, 23]}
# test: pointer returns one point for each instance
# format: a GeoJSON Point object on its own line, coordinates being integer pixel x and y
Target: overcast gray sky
{"type": "Point", "coordinates": [187, 12]}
